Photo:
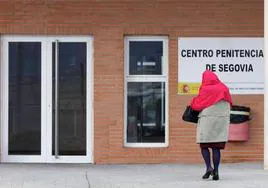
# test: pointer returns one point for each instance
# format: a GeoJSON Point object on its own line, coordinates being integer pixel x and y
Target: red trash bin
{"type": "Point", "coordinates": [239, 123]}
{"type": "Point", "coordinates": [238, 132]}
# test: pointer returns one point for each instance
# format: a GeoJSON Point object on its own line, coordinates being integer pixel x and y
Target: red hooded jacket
{"type": "Point", "coordinates": [212, 90]}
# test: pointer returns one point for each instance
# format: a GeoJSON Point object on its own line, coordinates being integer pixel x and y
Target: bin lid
{"type": "Point", "coordinates": [240, 108]}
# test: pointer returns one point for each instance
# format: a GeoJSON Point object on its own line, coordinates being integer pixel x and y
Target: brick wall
{"type": "Point", "coordinates": [108, 21]}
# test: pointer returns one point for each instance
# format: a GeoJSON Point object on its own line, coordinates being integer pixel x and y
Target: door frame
{"type": "Point", "coordinates": [46, 102]}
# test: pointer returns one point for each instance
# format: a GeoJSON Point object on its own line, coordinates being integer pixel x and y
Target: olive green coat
{"type": "Point", "coordinates": [213, 123]}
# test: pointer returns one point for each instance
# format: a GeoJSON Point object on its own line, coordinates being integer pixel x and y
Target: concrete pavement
{"type": "Point", "coordinates": [242, 175]}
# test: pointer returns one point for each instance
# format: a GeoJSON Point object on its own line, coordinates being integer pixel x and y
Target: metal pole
{"type": "Point", "coordinates": [265, 89]}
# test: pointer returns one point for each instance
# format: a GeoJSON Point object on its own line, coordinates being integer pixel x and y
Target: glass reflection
{"type": "Point", "coordinates": [145, 57]}
{"type": "Point", "coordinates": [24, 121]}
{"type": "Point", "coordinates": [72, 98]}
{"type": "Point", "coordinates": [146, 112]}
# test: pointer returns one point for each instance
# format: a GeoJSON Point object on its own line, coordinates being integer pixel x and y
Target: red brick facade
{"type": "Point", "coordinates": [108, 21]}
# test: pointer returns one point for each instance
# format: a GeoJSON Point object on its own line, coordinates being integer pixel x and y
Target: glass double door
{"type": "Point", "coordinates": [46, 99]}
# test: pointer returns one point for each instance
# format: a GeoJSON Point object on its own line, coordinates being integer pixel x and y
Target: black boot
{"type": "Point", "coordinates": [215, 175]}
{"type": "Point", "coordinates": [207, 174]}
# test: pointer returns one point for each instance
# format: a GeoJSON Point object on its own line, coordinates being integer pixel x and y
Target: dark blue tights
{"type": "Point", "coordinates": [216, 158]}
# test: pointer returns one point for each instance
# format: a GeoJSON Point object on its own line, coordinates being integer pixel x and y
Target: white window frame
{"type": "Point", "coordinates": [146, 78]}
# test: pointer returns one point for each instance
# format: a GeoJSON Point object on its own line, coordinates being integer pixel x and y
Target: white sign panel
{"type": "Point", "coordinates": [238, 62]}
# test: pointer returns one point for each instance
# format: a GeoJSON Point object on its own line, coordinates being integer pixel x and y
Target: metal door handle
{"type": "Point", "coordinates": [56, 99]}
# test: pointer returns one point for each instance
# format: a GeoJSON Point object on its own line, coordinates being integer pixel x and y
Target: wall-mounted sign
{"type": "Point", "coordinates": [238, 62]}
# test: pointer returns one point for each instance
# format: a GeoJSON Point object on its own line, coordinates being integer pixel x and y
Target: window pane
{"type": "Point", "coordinates": [146, 112]}
{"type": "Point", "coordinates": [24, 121]}
{"type": "Point", "coordinates": [145, 58]}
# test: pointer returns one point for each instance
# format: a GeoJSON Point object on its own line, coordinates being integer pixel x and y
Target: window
{"type": "Point", "coordinates": [146, 67]}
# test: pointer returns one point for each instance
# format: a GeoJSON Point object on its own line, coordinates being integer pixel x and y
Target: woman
{"type": "Point", "coordinates": [213, 102]}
